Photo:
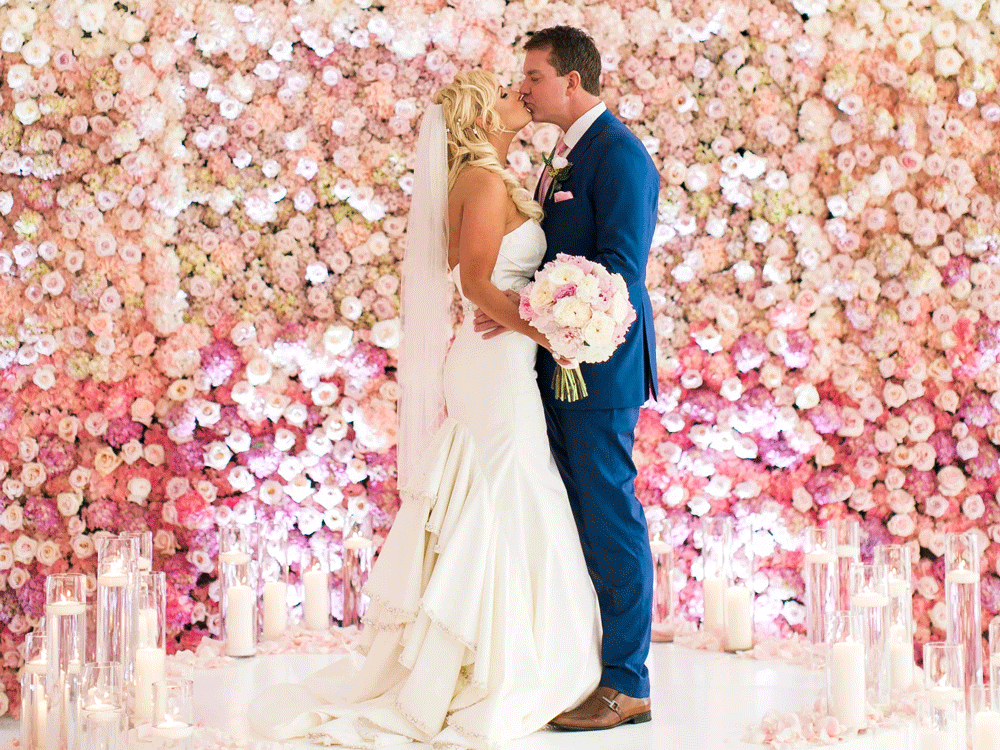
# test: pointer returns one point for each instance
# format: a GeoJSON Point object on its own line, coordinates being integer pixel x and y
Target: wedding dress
{"type": "Point", "coordinates": [483, 623]}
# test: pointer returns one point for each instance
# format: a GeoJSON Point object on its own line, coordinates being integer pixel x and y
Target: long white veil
{"type": "Point", "coordinates": [426, 298]}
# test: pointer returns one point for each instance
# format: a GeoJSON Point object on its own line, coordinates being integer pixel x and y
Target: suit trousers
{"type": "Point", "coordinates": [593, 452]}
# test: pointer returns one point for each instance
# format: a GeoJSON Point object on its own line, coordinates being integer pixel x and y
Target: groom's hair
{"type": "Point", "coordinates": [570, 49]}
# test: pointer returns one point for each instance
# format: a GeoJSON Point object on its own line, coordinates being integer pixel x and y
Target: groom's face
{"type": "Point", "coordinates": [543, 90]}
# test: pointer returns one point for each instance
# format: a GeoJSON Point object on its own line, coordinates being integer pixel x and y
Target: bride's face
{"type": "Point", "coordinates": [511, 109]}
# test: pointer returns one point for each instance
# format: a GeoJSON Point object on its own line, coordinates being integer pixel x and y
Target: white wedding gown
{"type": "Point", "coordinates": [483, 623]}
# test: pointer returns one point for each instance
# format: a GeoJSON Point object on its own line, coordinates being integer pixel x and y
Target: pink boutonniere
{"type": "Point", "coordinates": [558, 168]}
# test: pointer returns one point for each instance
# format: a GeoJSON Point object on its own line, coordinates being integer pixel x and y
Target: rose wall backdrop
{"type": "Point", "coordinates": [203, 208]}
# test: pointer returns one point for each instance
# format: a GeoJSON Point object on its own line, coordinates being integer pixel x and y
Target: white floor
{"type": "Point", "coordinates": [700, 701]}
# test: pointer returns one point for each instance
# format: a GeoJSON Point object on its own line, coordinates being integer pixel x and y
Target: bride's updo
{"type": "Point", "coordinates": [469, 115]}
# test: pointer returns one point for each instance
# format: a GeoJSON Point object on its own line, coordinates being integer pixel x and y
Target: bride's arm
{"type": "Point", "coordinates": [483, 219]}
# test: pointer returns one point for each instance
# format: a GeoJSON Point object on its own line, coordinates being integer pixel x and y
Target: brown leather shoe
{"type": "Point", "coordinates": [603, 709]}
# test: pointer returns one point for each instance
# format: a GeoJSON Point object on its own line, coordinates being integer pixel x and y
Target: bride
{"type": "Point", "coordinates": [483, 623]}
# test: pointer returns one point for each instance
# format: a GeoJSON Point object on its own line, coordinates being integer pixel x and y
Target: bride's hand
{"type": "Point", "coordinates": [485, 325]}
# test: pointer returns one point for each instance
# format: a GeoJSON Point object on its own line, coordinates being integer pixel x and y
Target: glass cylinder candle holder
{"type": "Point", "coordinates": [897, 561]}
{"type": "Point", "coordinates": [662, 551]}
{"type": "Point", "coordinates": [239, 578]}
{"type": "Point", "coordinates": [870, 603]}
{"type": "Point", "coordinates": [359, 554]}
{"type": "Point", "coordinates": [845, 669]}
{"type": "Point", "coordinates": [144, 539]}
{"type": "Point", "coordinates": [994, 661]}
{"type": "Point", "coordinates": [717, 538]}
{"type": "Point", "coordinates": [66, 636]}
{"type": "Point", "coordinates": [151, 653]}
{"type": "Point", "coordinates": [117, 571]}
{"type": "Point", "coordinates": [273, 551]}
{"type": "Point", "coordinates": [103, 714]}
{"type": "Point", "coordinates": [848, 535]}
{"type": "Point", "coordinates": [943, 724]}
{"type": "Point", "coordinates": [819, 569]}
{"type": "Point", "coordinates": [314, 571]}
{"type": "Point", "coordinates": [34, 703]}
{"type": "Point", "coordinates": [173, 714]}
{"type": "Point", "coordinates": [985, 718]}
{"type": "Point", "coordinates": [963, 603]}
{"type": "Point", "coordinates": [739, 596]}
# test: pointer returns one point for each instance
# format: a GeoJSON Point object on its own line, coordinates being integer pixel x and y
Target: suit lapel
{"type": "Point", "coordinates": [590, 135]}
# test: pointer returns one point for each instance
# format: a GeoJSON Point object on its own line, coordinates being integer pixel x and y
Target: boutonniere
{"type": "Point", "coordinates": [558, 168]}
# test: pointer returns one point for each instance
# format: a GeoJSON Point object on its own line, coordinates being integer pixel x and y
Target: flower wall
{"type": "Point", "coordinates": [203, 207]}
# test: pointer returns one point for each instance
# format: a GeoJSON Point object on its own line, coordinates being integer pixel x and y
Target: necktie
{"type": "Point", "coordinates": [543, 186]}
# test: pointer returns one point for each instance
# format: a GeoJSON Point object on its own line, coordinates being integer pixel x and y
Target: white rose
{"type": "Point", "coordinates": [33, 474]}
{"type": "Point", "coordinates": [238, 441]}
{"type": "Point", "coordinates": [337, 339]}
{"type": "Point", "coordinates": [24, 549]}
{"type": "Point", "coordinates": [951, 481]}
{"type": "Point", "coordinates": [82, 546]}
{"type": "Point", "coordinates": [12, 517]}
{"type": "Point", "coordinates": [325, 394]}
{"type": "Point", "coordinates": [240, 479]}
{"type": "Point", "coordinates": [571, 312]}
{"type": "Point", "coordinates": [16, 579]}
{"type": "Point", "coordinates": [6, 556]}
{"type": "Point", "coordinates": [69, 503]}
{"type": "Point", "coordinates": [91, 17]}
{"type": "Point", "coordinates": [139, 489]}
{"type": "Point", "coordinates": [48, 552]}
{"type": "Point", "coordinates": [386, 333]}
{"type": "Point", "coordinates": [947, 62]}
{"type": "Point", "coordinates": [217, 455]}
{"type": "Point", "coordinates": [541, 294]}
{"type": "Point", "coordinates": [599, 331]}
{"type": "Point", "coordinates": [258, 371]}
{"type": "Point", "coordinates": [27, 111]}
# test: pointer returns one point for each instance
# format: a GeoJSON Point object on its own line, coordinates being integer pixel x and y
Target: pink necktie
{"type": "Point", "coordinates": [546, 180]}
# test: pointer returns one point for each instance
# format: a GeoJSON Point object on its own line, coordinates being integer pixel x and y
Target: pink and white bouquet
{"type": "Point", "coordinates": [584, 312]}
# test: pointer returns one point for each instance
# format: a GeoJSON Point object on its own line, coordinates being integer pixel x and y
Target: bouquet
{"type": "Point", "coordinates": [584, 312]}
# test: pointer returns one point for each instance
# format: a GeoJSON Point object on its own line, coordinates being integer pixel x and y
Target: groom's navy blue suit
{"type": "Point", "coordinates": [609, 219]}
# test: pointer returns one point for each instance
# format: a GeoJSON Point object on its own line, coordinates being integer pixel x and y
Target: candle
{"type": "Point", "coordinates": [112, 580]}
{"type": "Point", "coordinates": [901, 664]}
{"type": "Point", "coordinates": [239, 620]}
{"type": "Point", "coordinates": [234, 557]}
{"type": "Point", "coordinates": [961, 575]}
{"type": "Point", "coordinates": [942, 696]}
{"type": "Point", "coordinates": [935, 739]}
{"type": "Point", "coordinates": [316, 599]}
{"type": "Point", "coordinates": [36, 666]}
{"type": "Point", "coordinates": [848, 550]}
{"type": "Point", "coordinates": [172, 729]}
{"type": "Point", "coordinates": [357, 542]}
{"type": "Point", "coordinates": [714, 590]}
{"type": "Point", "coordinates": [65, 608]}
{"type": "Point", "coordinates": [658, 546]}
{"type": "Point", "coordinates": [150, 667]}
{"type": "Point", "coordinates": [148, 627]}
{"type": "Point", "coordinates": [987, 730]}
{"type": "Point", "coordinates": [739, 618]}
{"type": "Point", "coordinates": [847, 680]}
{"type": "Point", "coordinates": [41, 711]}
{"type": "Point", "coordinates": [145, 564]}
{"type": "Point", "coordinates": [898, 587]}
{"type": "Point", "coordinates": [275, 609]}
{"type": "Point", "coordinates": [819, 557]}
{"type": "Point", "coordinates": [103, 713]}
{"type": "Point", "coordinates": [869, 599]}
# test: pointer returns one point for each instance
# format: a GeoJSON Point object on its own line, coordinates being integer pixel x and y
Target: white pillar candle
{"type": "Point", "coordinates": [275, 609]}
{"type": "Point", "coordinates": [935, 739]}
{"type": "Point", "coordinates": [239, 620]}
{"type": "Point", "coordinates": [847, 683]}
{"type": "Point", "coordinates": [147, 627]}
{"type": "Point", "coordinates": [987, 730]}
{"type": "Point", "coordinates": [316, 599]}
{"type": "Point", "coordinates": [150, 667]}
{"type": "Point", "coordinates": [819, 557]}
{"type": "Point", "coordinates": [901, 664]}
{"type": "Point", "coordinates": [65, 608]}
{"type": "Point", "coordinates": [848, 550]}
{"type": "Point", "coordinates": [112, 580]}
{"type": "Point", "coordinates": [41, 719]}
{"type": "Point", "coordinates": [739, 618]}
{"type": "Point", "coordinates": [714, 590]}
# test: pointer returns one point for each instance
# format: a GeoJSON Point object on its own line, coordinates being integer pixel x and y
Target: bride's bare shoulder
{"type": "Point", "coordinates": [475, 184]}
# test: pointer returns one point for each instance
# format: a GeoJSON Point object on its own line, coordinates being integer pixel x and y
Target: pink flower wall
{"type": "Point", "coordinates": [203, 207]}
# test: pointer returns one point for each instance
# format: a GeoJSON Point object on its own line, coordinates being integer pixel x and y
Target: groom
{"type": "Point", "coordinates": [600, 202]}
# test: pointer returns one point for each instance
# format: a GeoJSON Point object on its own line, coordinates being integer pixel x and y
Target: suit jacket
{"type": "Point", "coordinates": [609, 219]}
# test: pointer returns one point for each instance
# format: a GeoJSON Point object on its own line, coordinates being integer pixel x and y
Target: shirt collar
{"type": "Point", "coordinates": [582, 124]}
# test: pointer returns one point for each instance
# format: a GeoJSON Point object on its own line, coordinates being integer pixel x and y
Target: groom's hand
{"type": "Point", "coordinates": [485, 325]}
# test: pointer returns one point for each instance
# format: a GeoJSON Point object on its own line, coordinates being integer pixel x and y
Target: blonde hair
{"type": "Point", "coordinates": [469, 115]}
